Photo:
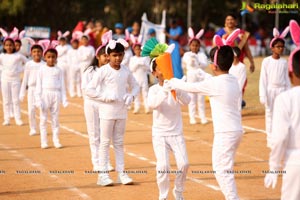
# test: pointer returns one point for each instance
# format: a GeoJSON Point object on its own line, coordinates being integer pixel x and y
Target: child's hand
{"type": "Point", "coordinates": [262, 100]}
{"type": "Point", "coordinates": [271, 179]}
{"type": "Point", "coordinates": [65, 104]}
{"type": "Point", "coordinates": [21, 98]}
{"type": "Point", "coordinates": [128, 99]}
{"type": "Point", "coordinates": [167, 86]}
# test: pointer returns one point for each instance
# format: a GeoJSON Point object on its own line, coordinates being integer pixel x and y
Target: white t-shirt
{"type": "Point", "coordinates": [73, 59]}
{"type": "Point", "coordinates": [112, 81]}
{"type": "Point", "coordinates": [224, 93]}
{"type": "Point", "coordinates": [285, 138]}
{"type": "Point", "coordinates": [167, 119]}
{"type": "Point", "coordinates": [139, 66]}
{"type": "Point", "coordinates": [239, 71]}
{"type": "Point", "coordinates": [12, 66]}
{"type": "Point", "coordinates": [86, 55]}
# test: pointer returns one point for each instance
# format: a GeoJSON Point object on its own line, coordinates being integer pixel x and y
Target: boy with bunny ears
{"type": "Point", "coordinates": [109, 87]}
{"type": "Point", "coordinates": [285, 149]}
{"type": "Point", "coordinates": [195, 62]}
{"type": "Point", "coordinates": [273, 79]}
{"type": "Point", "coordinates": [223, 90]}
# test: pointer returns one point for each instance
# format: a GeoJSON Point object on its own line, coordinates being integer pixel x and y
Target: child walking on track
{"type": "Point", "coordinates": [195, 62]}
{"type": "Point", "coordinates": [12, 65]}
{"type": "Point", "coordinates": [167, 134]}
{"type": "Point", "coordinates": [91, 107]}
{"type": "Point", "coordinates": [32, 68]}
{"type": "Point", "coordinates": [224, 92]}
{"type": "Point", "coordinates": [273, 79]}
{"type": "Point", "coordinates": [112, 80]}
{"type": "Point", "coordinates": [285, 149]}
{"type": "Point", "coordinates": [50, 92]}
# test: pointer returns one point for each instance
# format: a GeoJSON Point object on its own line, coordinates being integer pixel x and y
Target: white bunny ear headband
{"type": "Point", "coordinates": [106, 37]}
{"type": "Point", "coordinates": [113, 43]}
{"type": "Point", "coordinates": [222, 42]}
{"type": "Point", "coordinates": [295, 33]}
{"type": "Point", "coordinates": [13, 34]}
{"type": "Point", "coordinates": [62, 35]}
{"type": "Point", "coordinates": [277, 35]}
{"type": "Point", "coordinates": [136, 40]}
{"type": "Point", "coordinates": [192, 35]}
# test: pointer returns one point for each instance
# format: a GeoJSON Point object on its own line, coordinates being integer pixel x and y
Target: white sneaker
{"type": "Point", "coordinates": [32, 132]}
{"type": "Point", "coordinates": [124, 179]}
{"type": "Point", "coordinates": [136, 110]}
{"type": "Point", "coordinates": [110, 167]}
{"type": "Point", "coordinates": [58, 145]}
{"type": "Point", "coordinates": [44, 146]}
{"type": "Point", "coordinates": [104, 180]}
{"type": "Point", "coordinates": [193, 121]}
{"type": "Point", "coordinates": [19, 122]}
{"type": "Point", "coordinates": [147, 110]}
{"type": "Point", "coordinates": [204, 121]}
{"type": "Point", "coordinates": [5, 123]}
{"type": "Point", "coordinates": [177, 195]}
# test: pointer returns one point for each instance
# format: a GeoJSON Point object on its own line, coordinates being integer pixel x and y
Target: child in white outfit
{"type": "Point", "coordinates": [167, 134]}
{"type": "Point", "coordinates": [12, 65]}
{"type": "Point", "coordinates": [139, 66]}
{"type": "Point", "coordinates": [112, 80]}
{"type": "Point", "coordinates": [32, 68]}
{"type": "Point", "coordinates": [273, 80]}
{"type": "Point", "coordinates": [86, 53]}
{"type": "Point", "coordinates": [50, 92]}
{"type": "Point", "coordinates": [195, 62]}
{"type": "Point", "coordinates": [224, 93]}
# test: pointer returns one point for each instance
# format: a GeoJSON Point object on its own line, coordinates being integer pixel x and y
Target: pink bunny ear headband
{"type": "Point", "coordinates": [35, 43]}
{"type": "Point", "coordinates": [192, 35]}
{"type": "Point", "coordinates": [277, 35]}
{"type": "Point", "coordinates": [62, 35]}
{"type": "Point", "coordinates": [222, 42]}
{"type": "Point", "coordinates": [295, 33]}
{"type": "Point", "coordinates": [47, 44]}
{"type": "Point", "coordinates": [136, 40]}
{"type": "Point", "coordinates": [112, 44]}
{"type": "Point", "coordinates": [106, 37]}
{"type": "Point", "coordinates": [12, 36]}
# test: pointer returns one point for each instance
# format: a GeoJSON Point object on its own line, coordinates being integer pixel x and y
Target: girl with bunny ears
{"type": "Point", "coordinates": [49, 93]}
{"type": "Point", "coordinates": [224, 92]}
{"type": "Point", "coordinates": [12, 66]}
{"type": "Point", "coordinates": [195, 62]}
{"type": "Point", "coordinates": [31, 71]}
{"type": "Point", "coordinates": [86, 52]}
{"type": "Point", "coordinates": [273, 79]}
{"type": "Point", "coordinates": [139, 66]}
{"type": "Point", "coordinates": [109, 87]}
{"type": "Point", "coordinates": [285, 129]}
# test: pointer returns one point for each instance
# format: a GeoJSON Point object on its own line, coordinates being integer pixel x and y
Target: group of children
{"type": "Point", "coordinates": [109, 88]}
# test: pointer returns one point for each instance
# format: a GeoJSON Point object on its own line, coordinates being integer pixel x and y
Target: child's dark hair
{"type": "Point", "coordinates": [153, 65]}
{"type": "Point", "coordinates": [196, 40]}
{"type": "Point", "coordinates": [18, 41]}
{"type": "Point", "coordinates": [231, 15]}
{"type": "Point", "coordinates": [278, 40]}
{"type": "Point", "coordinates": [36, 46]}
{"type": "Point", "coordinates": [296, 64]}
{"type": "Point", "coordinates": [224, 57]}
{"type": "Point", "coordinates": [236, 51]}
{"type": "Point", "coordinates": [101, 51]}
{"type": "Point", "coordinates": [12, 41]}
{"type": "Point", "coordinates": [118, 49]}
{"type": "Point", "coordinates": [85, 37]}
{"type": "Point", "coordinates": [51, 50]}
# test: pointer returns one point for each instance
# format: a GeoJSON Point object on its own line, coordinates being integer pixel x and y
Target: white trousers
{"type": "Point", "coordinates": [144, 91]}
{"type": "Point", "coordinates": [197, 100]}
{"type": "Point", "coordinates": [31, 108]}
{"type": "Point", "coordinates": [50, 102]}
{"type": "Point", "coordinates": [10, 95]}
{"type": "Point", "coordinates": [75, 81]}
{"type": "Point", "coordinates": [224, 148]}
{"type": "Point", "coordinates": [162, 145]}
{"type": "Point", "coordinates": [114, 130]}
{"type": "Point", "coordinates": [291, 183]}
{"type": "Point", "coordinates": [91, 112]}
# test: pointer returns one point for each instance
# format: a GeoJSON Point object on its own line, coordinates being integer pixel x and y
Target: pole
{"type": "Point", "coordinates": [277, 17]}
{"type": "Point", "coordinates": [189, 13]}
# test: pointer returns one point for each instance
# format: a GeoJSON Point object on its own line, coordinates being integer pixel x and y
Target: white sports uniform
{"type": "Point", "coordinates": [139, 66]}
{"type": "Point", "coordinates": [50, 92]}
{"type": "Point", "coordinates": [86, 54]}
{"type": "Point", "coordinates": [75, 76]}
{"type": "Point", "coordinates": [62, 62]}
{"type": "Point", "coordinates": [128, 54]}
{"type": "Point", "coordinates": [29, 80]}
{"type": "Point", "coordinates": [194, 64]}
{"type": "Point", "coordinates": [286, 142]}
{"type": "Point", "coordinates": [224, 94]}
{"type": "Point", "coordinates": [167, 135]}
{"type": "Point", "coordinates": [12, 66]}
{"type": "Point", "coordinates": [112, 85]}
{"type": "Point", "coordinates": [273, 80]}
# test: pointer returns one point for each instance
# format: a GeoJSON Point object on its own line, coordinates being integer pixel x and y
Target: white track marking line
{"type": "Point", "coordinates": [40, 168]}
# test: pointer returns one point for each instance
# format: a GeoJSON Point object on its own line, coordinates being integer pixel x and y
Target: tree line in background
{"type": "Point", "coordinates": [64, 14]}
